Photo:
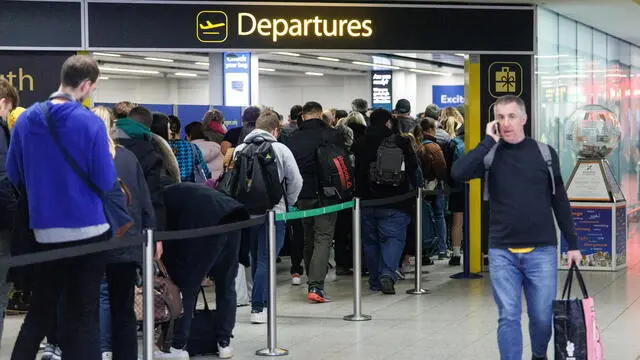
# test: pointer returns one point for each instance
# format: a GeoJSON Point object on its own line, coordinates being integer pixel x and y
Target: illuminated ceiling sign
{"type": "Point", "coordinates": [327, 26]}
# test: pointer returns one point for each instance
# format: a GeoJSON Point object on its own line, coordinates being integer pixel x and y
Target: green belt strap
{"type": "Point", "coordinates": [301, 214]}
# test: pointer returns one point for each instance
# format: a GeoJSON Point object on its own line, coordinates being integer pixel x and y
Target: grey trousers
{"type": "Point", "coordinates": [318, 236]}
{"type": "Point", "coordinates": [5, 287]}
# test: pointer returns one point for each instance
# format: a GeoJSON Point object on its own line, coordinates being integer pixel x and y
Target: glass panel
{"type": "Point", "coordinates": [626, 146]}
{"type": "Point", "coordinates": [567, 79]}
{"type": "Point", "coordinates": [546, 76]}
{"type": "Point", "coordinates": [614, 94]}
{"type": "Point", "coordinates": [633, 192]}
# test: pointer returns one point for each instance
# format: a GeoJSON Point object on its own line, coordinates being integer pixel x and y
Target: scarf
{"type": "Point", "coordinates": [134, 129]}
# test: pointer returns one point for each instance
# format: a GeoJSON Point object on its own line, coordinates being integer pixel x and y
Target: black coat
{"type": "Point", "coordinates": [140, 207]}
{"type": "Point", "coordinates": [154, 173]}
{"type": "Point", "coordinates": [366, 152]}
{"type": "Point", "coordinates": [304, 143]}
{"type": "Point", "coordinates": [194, 206]}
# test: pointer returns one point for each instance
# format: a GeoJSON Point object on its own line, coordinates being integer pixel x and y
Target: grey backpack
{"type": "Point", "coordinates": [488, 160]}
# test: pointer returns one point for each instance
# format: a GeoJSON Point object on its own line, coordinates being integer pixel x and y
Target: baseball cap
{"type": "Point", "coordinates": [403, 106]}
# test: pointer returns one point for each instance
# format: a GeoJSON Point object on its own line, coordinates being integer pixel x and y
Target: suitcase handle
{"type": "Point", "coordinates": [566, 293]}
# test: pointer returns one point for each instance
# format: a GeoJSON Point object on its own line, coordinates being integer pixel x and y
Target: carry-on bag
{"type": "Point", "coordinates": [202, 335]}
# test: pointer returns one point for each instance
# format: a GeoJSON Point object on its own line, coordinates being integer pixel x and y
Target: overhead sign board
{"type": "Point", "coordinates": [308, 26]}
{"type": "Point", "coordinates": [237, 75]}
{"type": "Point", "coordinates": [42, 24]}
{"type": "Point", "coordinates": [448, 95]}
{"type": "Point", "coordinates": [381, 89]}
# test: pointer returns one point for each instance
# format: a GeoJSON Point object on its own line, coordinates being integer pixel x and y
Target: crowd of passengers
{"type": "Point", "coordinates": [84, 305]}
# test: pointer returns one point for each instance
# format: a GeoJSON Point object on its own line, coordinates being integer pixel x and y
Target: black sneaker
{"type": "Point", "coordinates": [533, 357]}
{"type": "Point", "coordinates": [387, 284]}
{"type": "Point", "coordinates": [454, 261]}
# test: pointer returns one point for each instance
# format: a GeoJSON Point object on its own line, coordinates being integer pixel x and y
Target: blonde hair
{"type": "Point", "coordinates": [353, 118]}
{"type": "Point", "coordinates": [451, 120]}
{"type": "Point", "coordinates": [107, 119]}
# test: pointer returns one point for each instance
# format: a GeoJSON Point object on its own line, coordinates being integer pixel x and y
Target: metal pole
{"type": "Point", "coordinates": [357, 267]}
{"type": "Point", "coordinates": [147, 291]}
{"type": "Point", "coordinates": [418, 290]}
{"type": "Point", "coordinates": [272, 338]}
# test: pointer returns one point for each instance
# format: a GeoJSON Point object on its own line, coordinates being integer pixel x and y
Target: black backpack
{"type": "Point", "coordinates": [388, 169]}
{"type": "Point", "coordinates": [254, 180]}
{"type": "Point", "coordinates": [335, 171]}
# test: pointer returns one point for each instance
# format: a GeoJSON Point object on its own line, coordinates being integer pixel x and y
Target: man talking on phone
{"type": "Point", "coordinates": [525, 191]}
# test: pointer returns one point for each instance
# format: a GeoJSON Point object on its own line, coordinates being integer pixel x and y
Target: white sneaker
{"type": "Point", "coordinates": [259, 317]}
{"type": "Point", "coordinates": [107, 355]}
{"type": "Point", "coordinates": [296, 280]}
{"type": "Point", "coordinates": [225, 352]}
{"type": "Point", "coordinates": [175, 354]}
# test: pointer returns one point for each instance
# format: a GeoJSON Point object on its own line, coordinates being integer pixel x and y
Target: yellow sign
{"type": "Point", "coordinates": [505, 78]}
{"type": "Point", "coordinates": [212, 26]}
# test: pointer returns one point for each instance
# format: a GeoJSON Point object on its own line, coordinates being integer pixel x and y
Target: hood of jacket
{"type": "Point", "coordinates": [256, 133]}
{"type": "Point", "coordinates": [134, 129]}
{"type": "Point", "coordinates": [210, 150]}
{"type": "Point", "coordinates": [59, 114]}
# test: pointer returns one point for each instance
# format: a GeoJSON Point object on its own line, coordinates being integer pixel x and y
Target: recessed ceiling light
{"type": "Point", "coordinates": [310, 73]}
{"type": "Point", "coordinates": [266, 69]}
{"type": "Point", "coordinates": [186, 74]}
{"type": "Point", "coordinates": [328, 59]}
{"type": "Point", "coordinates": [286, 54]}
{"type": "Point", "coordinates": [384, 66]}
{"type": "Point", "coordinates": [158, 59]}
{"type": "Point", "coordinates": [430, 72]}
{"type": "Point", "coordinates": [132, 71]}
{"type": "Point", "coordinates": [202, 63]}
{"type": "Point", "coordinates": [106, 54]}
{"type": "Point", "coordinates": [461, 55]}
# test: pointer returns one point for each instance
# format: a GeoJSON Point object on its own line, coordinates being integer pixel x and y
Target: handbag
{"type": "Point", "coordinates": [202, 335]}
{"type": "Point", "coordinates": [114, 200]}
{"type": "Point", "coordinates": [576, 335]}
{"type": "Point", "coordinates": [198, 172]}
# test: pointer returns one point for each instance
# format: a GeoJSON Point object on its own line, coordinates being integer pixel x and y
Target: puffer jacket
{"type": "Point", "coordinates": [212, 156]}
{"type": "Point", "coordinates": [140, 207]}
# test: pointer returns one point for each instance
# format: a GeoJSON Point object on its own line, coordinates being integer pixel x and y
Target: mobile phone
{"type": "Point", "coordinates": [497, 129]}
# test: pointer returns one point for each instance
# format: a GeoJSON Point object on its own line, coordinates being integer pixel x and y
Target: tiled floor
{"type": "Point", "coordinates": [456, 321]}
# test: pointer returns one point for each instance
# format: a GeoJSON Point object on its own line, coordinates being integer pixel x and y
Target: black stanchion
{"type": "Point", "coordinates": [466, 271]}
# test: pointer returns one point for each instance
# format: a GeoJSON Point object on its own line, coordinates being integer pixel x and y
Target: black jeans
{"type": "Point", "coordinates": [294, 236]}
{"type": "Point", "coordinates": [121, 279]}
{"type": "Point", "coordinates": [77, 281]}
{"type": "Point", "coordinates": [187, 262]}
{"type": "Point", "coordinates": [343, 238]}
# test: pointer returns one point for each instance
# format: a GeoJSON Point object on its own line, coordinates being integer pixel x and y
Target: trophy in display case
{"type": "Point", "coordinates": [598, 206]}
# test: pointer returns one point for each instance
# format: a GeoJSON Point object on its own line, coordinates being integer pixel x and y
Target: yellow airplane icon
{"type": "Point", "coordinates": [210, 26]}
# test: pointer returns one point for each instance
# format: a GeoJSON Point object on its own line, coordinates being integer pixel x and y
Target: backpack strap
{"type": "Point", "coordinates": [488, 160]}
{"type": "Point", "coordinates": [546, 155]}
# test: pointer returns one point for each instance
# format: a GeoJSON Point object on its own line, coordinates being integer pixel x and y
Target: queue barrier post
{"type": "Point", "coordinates": [147, 291]}
{"type": "Point", "coordinates": [357, 267]}
{"type": "Point", "coordinates": [418, 290]}
{"type": "Point", "coordinates": [272, 337]}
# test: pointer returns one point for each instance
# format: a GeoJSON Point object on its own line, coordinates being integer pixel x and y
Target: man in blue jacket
{"type": "Point", "coordinates": [63, 211]}
{"type": "Point", "coordinates": [8, 101]}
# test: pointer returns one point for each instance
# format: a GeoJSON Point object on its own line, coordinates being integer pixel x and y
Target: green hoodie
{"type": "Point", "coordinates": [134, 129]}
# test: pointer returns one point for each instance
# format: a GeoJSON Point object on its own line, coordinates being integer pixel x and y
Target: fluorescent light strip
{"type": "Point", "coordinates": [429, 72]}
{"type": "Point", "coordinates": [103, 78]}
{"type": "Point", "coordinates": [266, 69]}
{"type": "Point", "coordinates": [376, 65]}
{"type": "Point", "coordinates": [461, 55]}
{"type": "Point", "coordinates": [551, 56]}
{"type": "Point", "coordinates": [132, 71]}
{"type": "Point", "coordinates": [106, 54]}
{"type": "Point", "coordinates": [202, 63]}
{"type": "Point", "coordinates": [313, 73]}
{"type": "Point", "coordinates": [185, 74]}
{"type": "Point", "coordinates": [158, 59]}
{"type": "Point", "coordinates": [328, 59]}
{"type": "Point", "coordinates": [287, 54]}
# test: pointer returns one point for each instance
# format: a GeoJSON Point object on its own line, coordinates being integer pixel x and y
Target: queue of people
{"type": "Point", "coordinates": [101, 161]}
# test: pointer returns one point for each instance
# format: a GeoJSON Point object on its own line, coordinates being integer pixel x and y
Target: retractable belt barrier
{"type": "Point", "coordinates": [147, 240]}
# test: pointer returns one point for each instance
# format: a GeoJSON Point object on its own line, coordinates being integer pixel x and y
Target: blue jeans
{"type": "Point", "coordinates": [260, 263]}
{"type": "Point", "coordinates": [105, 317]}
{"type": "Point", "coordinates": [433, 223]}
{"type": "Point", "coordinates": [384, 233]}
{"type": "Point", "coordinates": [537, 273]}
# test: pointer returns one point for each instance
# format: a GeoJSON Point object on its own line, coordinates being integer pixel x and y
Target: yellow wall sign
{"type": "Point", "coordinates": [213, 27]}
{"type": "Point", "coordinates": [505, 78]}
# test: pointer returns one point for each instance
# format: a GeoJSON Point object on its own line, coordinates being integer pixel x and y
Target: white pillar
{"type": "Point", "coordinates": [216, 79]}
{"type": "Point", "coordinates": [255, 79]}
{"type": "Point", "coordinates": [405, 86]}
